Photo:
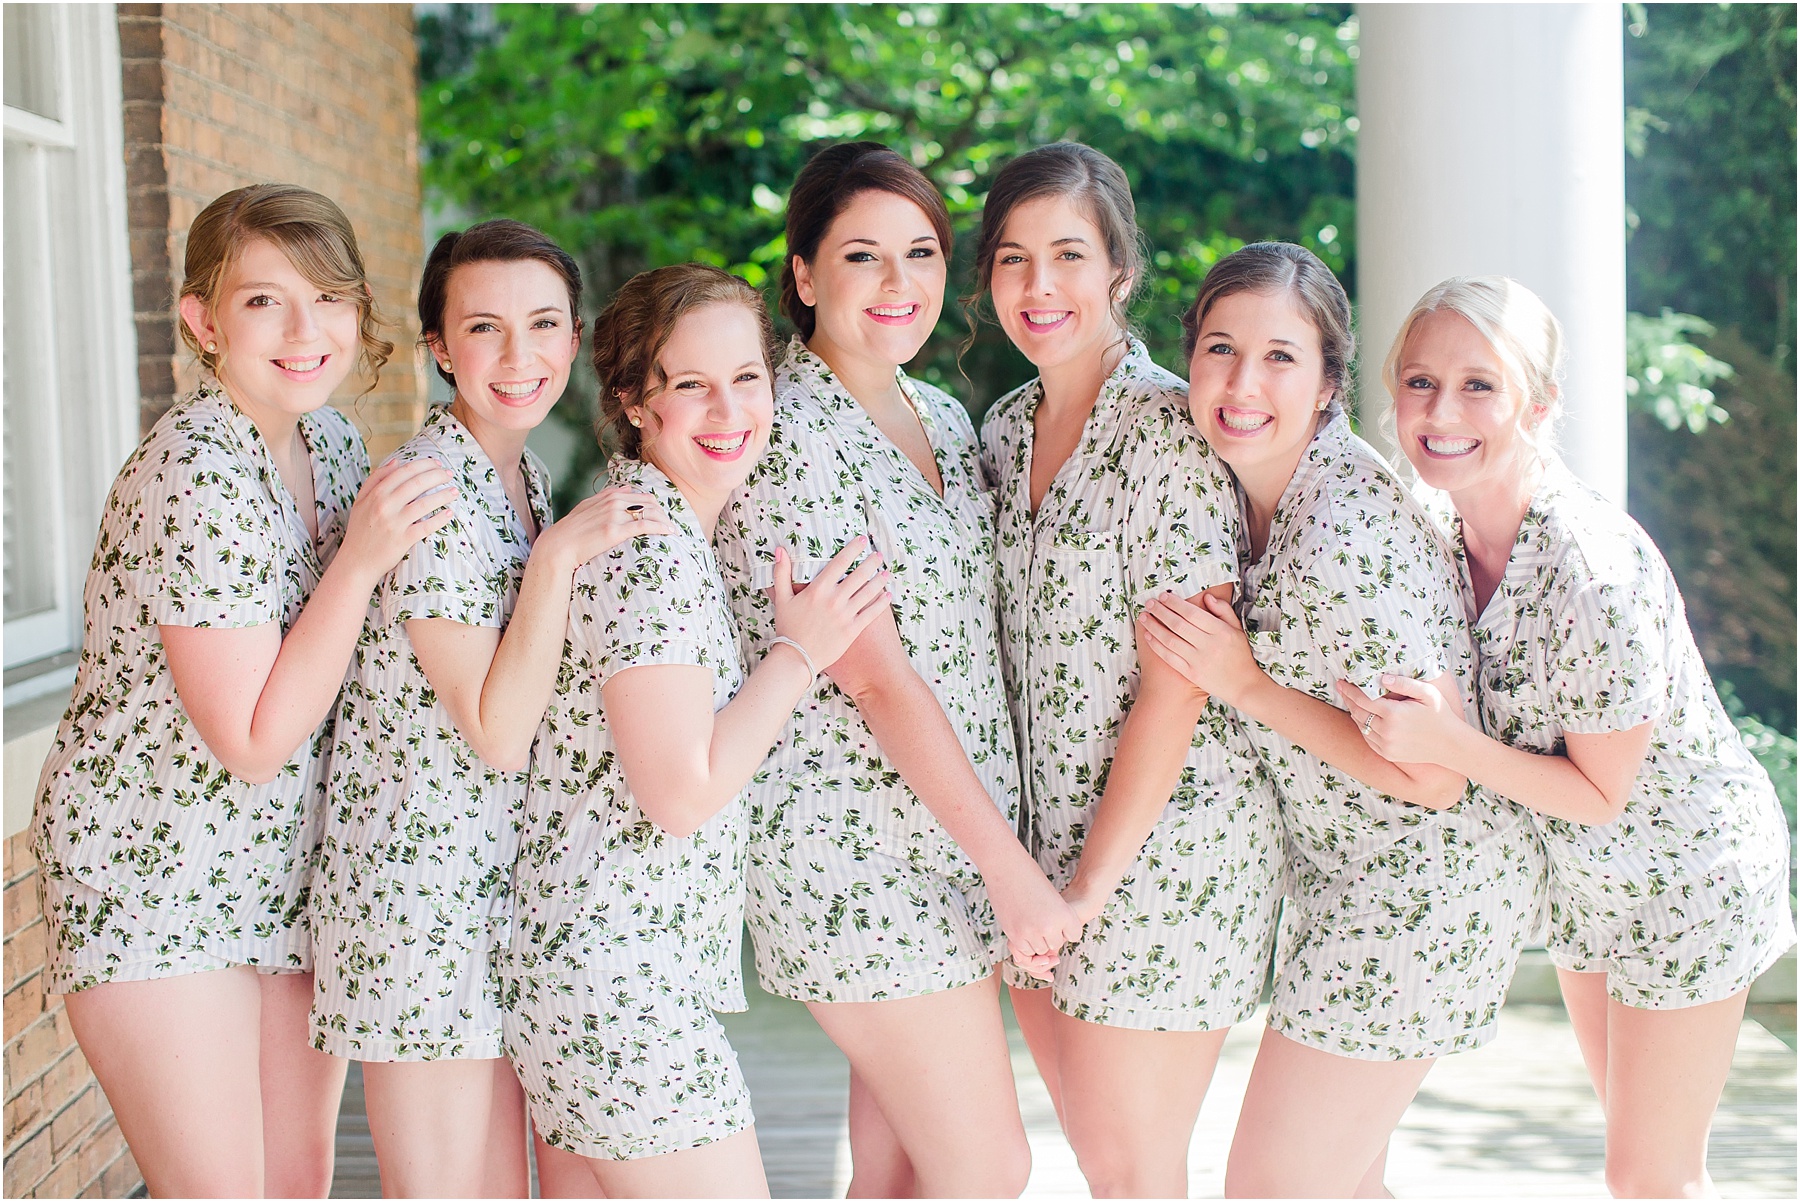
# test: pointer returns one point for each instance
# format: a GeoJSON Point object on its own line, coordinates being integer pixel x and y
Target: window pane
{"type": "Point", "coordinates": [30, 37]}
{"type": "Point", "coordinates": [30, 390]}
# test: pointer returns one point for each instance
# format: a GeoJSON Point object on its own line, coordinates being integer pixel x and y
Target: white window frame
{"type": "Point", "coordinates": [94, 426]}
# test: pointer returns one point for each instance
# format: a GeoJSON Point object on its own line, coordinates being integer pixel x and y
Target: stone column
{"type": "Point", "coordinates": [1491, 141]}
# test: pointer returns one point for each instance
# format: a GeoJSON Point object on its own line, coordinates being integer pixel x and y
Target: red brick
{"type": "Point", "coordinates": [122, 1176]}
{"type": "Point", "coordinates": [66, 1079]}
{"type": "Point", "coordinates": [24, 1112]}
{"type": "Point", "coordinates": [19, 857]}
{"type": "Point", "coordinates": [61, 1182]}
{"type": "Point", "coordinates": [98, 1151]}
{"type": "Point", "coordinates": [21, 901]}
{"type": "Point", "coordinates": [30, 1054]}
{"type": "Point", "coordinates": [26, 949]}
{"type": "Point", "coordinates": [74, 1121]}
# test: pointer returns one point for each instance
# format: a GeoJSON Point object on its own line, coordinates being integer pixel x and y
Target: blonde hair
{"type": "Point", "coordinates": [306, 227]}
{"type": "Point", "coordinates": [1516, 323]}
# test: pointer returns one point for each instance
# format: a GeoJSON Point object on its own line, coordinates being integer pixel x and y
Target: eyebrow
{"type": "Point", "coordinates": [497, 317]}
{"type": "Point", "coordinates": [873, 242]}
{"type": "Point", "coordinates": [1056, 242]}
{"type": "Point", "coordinates": [264, 285]}
{"type": "Point", "coordinates": [699, 371]}
{"type": "Point", "coordinates": [1276, 341]}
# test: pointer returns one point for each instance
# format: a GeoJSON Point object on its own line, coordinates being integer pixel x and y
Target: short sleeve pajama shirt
{"type": "Point", "coordinates": [1403, 924]}
{"type": "Point", "coordinates": [625, 938]}
{"type": "Point", "coordinates": [855, 892]}
{"type": "Point", "coordinates": [156, 861]}
{"type": "Point", "coordinates": [412, 893]}
{"type": "Point", "coordinates": [1140, 507]}
{"type": "Point", "coordinates": [1682, 899]}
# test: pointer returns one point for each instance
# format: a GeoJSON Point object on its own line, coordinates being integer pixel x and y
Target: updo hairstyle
{"type": "Point", "coordinates": [499, 241]}
{"type": "Point", "coordinates": [630, 333]}
{"type": "Point", "coordinates": [315, 236]}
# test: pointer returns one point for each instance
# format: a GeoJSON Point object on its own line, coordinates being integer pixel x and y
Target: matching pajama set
{"type": "Point", "coordinates": [157, 862]}
{"type": "Point", "coordinates": [855, 892]}
{"type": "Point", "coordinates": [1682, 899]}
{"type": "Point", "coordinates": [1141, 506]}
{"type": "Point", "coordinates": [412, 892]}
{"type": "Point", "coordinates": [1402, 925]}
{"type": "Point", "coordinates": [625, 939]}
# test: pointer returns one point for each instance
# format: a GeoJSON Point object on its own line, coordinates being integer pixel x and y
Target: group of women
{"type": "Point", "coordinates": [1151, 690]}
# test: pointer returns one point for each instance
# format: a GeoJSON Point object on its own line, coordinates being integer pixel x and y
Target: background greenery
{"type": "Point", "coordinates": [642, 135]}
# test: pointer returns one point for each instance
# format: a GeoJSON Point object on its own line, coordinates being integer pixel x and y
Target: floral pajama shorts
{"type": "Point", "coordinates": [1673, 951]}
{"type": "Point", "coordinates": [1403, 979]}
{"type": "Point", "coordinates": [834, 921]}
{"type": "Point", "coordinates": [623, 1062]}
{"type": "Point", "coordinates": [394, 991]}
{"type": "Point", "coordinates": [1186, 941]}
{"type": "Point", "coordinates": [95, 939]}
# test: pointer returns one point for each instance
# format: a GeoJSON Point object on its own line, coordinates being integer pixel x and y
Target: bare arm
{"type": "Point", "coordinates": [915, 735]}
{"type": "Point", "coordinates": [1590, 784]}
{"type": "Point", "coordinates": [256, 696]}
{"type": "Point", "coordinates": [496, 685]}
{"type": "Point", "coordinates": [682, 761]}
{"type": "Point", "coordinates": [1208, 646]}
{"type": "Point", "coordinates": [1146, 766]}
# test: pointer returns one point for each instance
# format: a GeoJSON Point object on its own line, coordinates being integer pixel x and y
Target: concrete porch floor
{"type": "Point", "coordinates": [1515, 1119]}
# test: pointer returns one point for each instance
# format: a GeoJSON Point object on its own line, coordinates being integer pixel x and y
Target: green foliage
{"type": "Point", "coordinates": [1710, 127]}
{"type": "Point", "coordinates": [642, 135]}
{"type": "Point", "coordinates": [1666, 376]}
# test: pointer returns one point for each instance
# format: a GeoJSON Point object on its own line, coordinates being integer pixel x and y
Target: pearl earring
{"type": "Point", "coordinates": [212, 348]}
{"type": "Point", "coordinates": [635, 420]}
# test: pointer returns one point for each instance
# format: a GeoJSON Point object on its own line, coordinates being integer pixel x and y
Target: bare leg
{"type": "Point", "coordinates": [938, 1067]}
{"type": "Point", "coordinates": [563, 1174]}
{"type": "Point", "coordinates": [730, 1168]}
{"type": "Point", "coordinates": [507, 1173]}
{"type": "Point", "coordinates": [878, 1164]}
{"type": "Point", "coordinates": [1665, 1070]}
{"type": "Point", "coordinates": [179, 1061]}
{"type": "Point", "coordinates": [1313, 1124]}
{"type": "Point", "coordinates": [432, 1121]}
{"type": "Point", "coordinates": [1133, 1097]}
{"type": "Point", "coordinates": [1374, 1182]}
{"type": "Point", "coordinates": [1037, 1016]}
{"type": "Point", "coordinates": [1584, 996]}
{"type": "Point", "coordinates": [301, 1090]}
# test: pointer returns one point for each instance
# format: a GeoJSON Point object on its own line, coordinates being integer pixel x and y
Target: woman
{"type": "Point", "coordinates": [1407, 900]}
{"type": "Point", "coordinates": [1668, 849]}
{"type": "Point", "coordinates": [628, 889]}
{"type": "Point", "coordinates": [427, 786]}
{"type": "Point", "coordinates": [178, 814]}
{"type": "Point", "coordinates": [883, 862]}
{"type": "Point", "coordinates": [1147, 804]}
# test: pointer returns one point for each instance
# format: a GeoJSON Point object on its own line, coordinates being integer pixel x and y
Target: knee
{"type": "Point", "coordinates": [305, 1174]}
{"type": "Point", "coordinates": [1009, 1171]}
{"type": "Point", "coordinates": [1118, 1167]}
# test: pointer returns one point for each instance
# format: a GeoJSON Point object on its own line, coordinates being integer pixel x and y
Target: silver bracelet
{"type": "Point", "coordinates": [782, 638]}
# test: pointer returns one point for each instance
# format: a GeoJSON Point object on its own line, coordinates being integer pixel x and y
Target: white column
{"type": "Point", "coordinates": [1491, 141]}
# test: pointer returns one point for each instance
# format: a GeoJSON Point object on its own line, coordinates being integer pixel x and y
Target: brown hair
{"type": "Point", "coordinates": [1273, 268]}
{"type": "Point", "coordinates": [630, 333]}
{"type": "Point", "coordinates": [306, 227]}
{"type": "Point", "coordinates": [825, 187]}
{"type": "Point", "coordinates": [1098, 187]}
{"type": "Point", "coordinates": [499, 241]}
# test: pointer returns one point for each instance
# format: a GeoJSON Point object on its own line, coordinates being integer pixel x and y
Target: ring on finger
{"type": "Point", "coordinates": [636, 511]}
{"type": "Point", "coordinates": [1368, 722]}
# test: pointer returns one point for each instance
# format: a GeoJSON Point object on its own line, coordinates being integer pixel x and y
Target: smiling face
{"type": "Point", "coordinates": [1257, 385]}
{"type": "Point", "coordinates": [1461, 415]}
{"type": "Point", "coordinates": [1052, 284]}
{"type": "Point", "coordinates": [284, 343]}
{"type": "Point", "coordinates": [876, 283]}
{"type": "Point", "coordinates": [509, 338]}
{"type": "Point", "coordinates": [707, 424]}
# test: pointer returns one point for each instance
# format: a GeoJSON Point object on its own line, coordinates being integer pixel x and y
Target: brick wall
{"type": "Point", "coordinates": [61, 1138]}
{"type": "Point", "coordinates": [218, 96]}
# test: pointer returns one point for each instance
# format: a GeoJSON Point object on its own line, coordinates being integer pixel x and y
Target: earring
{"type": "Point", "coordinates": [634, 419]}
{"type": "Point", "coordinates": [1324, 404]}
{"type": "Point", "coordinates": [445, 365]}
{"type": "Point", "coordinates": [212, 348]}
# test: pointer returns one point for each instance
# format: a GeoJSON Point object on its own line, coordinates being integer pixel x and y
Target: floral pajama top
{"type": "Point", "coordinates": [829, 475]}
{"type": "Point", "coordinates": [1356, 582]}
{"type": "Point", "coordinates": [597, 883]}
{"type": "Point", "coordinates": [1587, 633]}
{"type": "Point", "coordinates": [198, 530]}
{"type": "Point", "coordinates": [1141, 506]}
{"type": "Point", "coordinates": [420, 832]}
